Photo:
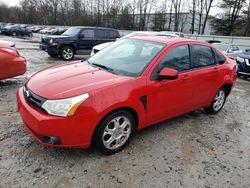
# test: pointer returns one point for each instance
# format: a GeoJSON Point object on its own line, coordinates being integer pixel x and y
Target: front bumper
{"type": "Point", "coordinates": [50, 49]}
{"type": "Point", "coordinates": [243, 69]}
{"type": "Point", "coordinates": [73, 131]}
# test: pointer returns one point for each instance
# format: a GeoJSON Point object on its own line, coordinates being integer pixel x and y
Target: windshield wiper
{"type": "Point", "coordinates": [103, 67]}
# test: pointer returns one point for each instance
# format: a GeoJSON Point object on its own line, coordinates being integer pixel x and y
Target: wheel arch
{"type": "Point", "coordinates": [126, 108]}
{"type": "Point", "coordinates": [228, 88]}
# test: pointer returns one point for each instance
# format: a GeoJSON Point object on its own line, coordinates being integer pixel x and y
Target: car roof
{"type": "Point", "coordinates": [168, 40]}
{"type": "Point", "coordinates": [82, 27]}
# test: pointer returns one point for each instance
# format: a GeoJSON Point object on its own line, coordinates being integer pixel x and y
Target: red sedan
{"type": "Point", "coordinates": [126, 87]}
{"type": "Point", "coordinates": [11, 63]}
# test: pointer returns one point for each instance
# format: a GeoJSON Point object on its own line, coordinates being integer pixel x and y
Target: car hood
{"type": "Point", "coordinates": [58, 37]}
{"type": "Point", "coordinates": [70, 80]}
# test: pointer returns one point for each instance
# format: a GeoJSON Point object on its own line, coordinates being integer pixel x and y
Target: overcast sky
{"type": "Point", "coordinates": [213, 11]}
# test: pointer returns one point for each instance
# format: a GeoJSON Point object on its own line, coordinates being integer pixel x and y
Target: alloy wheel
{"type": "Point", "coordinates": [116, 132]}
{"type": "Point", "coordinates": [219, 100]}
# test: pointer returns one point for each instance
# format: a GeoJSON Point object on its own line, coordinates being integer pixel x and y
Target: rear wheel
{"type": "Point", "coordinates": [114, 132]}
{"type": "Point", "coordinates": [30, 34]}
{"type": "Point", "coordinates": [218, 102]}
{"type": "Point", "coordinates": [67, 53]}
{"type": "Point", "coordinates": [14, 34]}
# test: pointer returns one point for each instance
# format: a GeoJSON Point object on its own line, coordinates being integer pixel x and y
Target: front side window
{"type": "Point", "coordinates": [87, 33]}
{"type": "Point", "coordinates": [127, 57]}
{"type": "Point", "coordinates": [202, 56]}
{"type": "Point", "coordinates": [177, 59]}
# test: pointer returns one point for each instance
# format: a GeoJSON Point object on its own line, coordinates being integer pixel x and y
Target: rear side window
{"type": "Point", "coordinates": [177, 59]}
{"type": "Point", "coordinates": [114, 34]}
{"type": "Point", "coordinates": [202, 56]}
{"type": "Point", "coordinates": [100, 33]}
{"type": "Point", "coordinates": [220, 59]}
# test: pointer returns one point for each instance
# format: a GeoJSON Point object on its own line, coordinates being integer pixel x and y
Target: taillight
{"type": "Point", "coordinates": [9, 51]}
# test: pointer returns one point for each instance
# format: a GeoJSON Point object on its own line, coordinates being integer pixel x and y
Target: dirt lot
{"type": "Point", "coordinates": [194, 150]}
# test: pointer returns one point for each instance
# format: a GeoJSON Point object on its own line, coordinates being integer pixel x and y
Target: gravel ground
{"type": "Point", "coordinates": [193, 150]}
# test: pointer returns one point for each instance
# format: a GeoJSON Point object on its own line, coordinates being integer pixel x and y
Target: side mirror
{"type": "Point", "coordinates": [81, 36]}
{"type": "Point", "coordinates": [168, 74]}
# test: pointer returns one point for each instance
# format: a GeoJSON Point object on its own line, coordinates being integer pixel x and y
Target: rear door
{"type": "Point", "coordinates": [206, 75]}
{"type": "Point", "coordinates": [86, 39]}
{"type": "Point", "coordinates": [101, 36]}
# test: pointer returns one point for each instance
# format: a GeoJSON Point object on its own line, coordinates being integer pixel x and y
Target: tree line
{"type": "Point", "coordinates": [132, 14]}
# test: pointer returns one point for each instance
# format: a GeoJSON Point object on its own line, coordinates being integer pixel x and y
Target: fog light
{"type": "Point", "coordinates": [51, 139]}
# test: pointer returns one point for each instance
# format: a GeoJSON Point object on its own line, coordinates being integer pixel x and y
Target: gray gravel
{"type": "Point", "coordinates": [193, 150]}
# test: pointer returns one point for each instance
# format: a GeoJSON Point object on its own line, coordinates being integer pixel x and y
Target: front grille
{"type": "Point", "coordinates": [33, 100]}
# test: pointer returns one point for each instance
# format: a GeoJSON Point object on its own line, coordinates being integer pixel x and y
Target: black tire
{"type": "Point", "coordinates": [53, 55]}
{"type": "Point", "coordinates": [213, 108]}
{"type": "Point", "coordinates": [67, 53]}
{"type": "Point", "coordinates": [102, 135]}
{"type": "Point", "coordinates": [14, 34]}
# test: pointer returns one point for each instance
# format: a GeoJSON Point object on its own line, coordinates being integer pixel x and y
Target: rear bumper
{"type": "Point", "coordinates": [73, 131]}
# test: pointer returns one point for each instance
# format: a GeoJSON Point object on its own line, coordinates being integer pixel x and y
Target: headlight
{"type": "Point", "coordinates": [247, 62]}
{"type": "Point", "coordinates": [240, 59]}
{"type": "Point", "coordinates": [64, 107]}
{"type": "Point", "coordinates": [51, 41]}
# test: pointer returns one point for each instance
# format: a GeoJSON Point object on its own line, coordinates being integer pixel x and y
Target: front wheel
{"type": "Point", "coordinates": [217, 103]}
{"type": "Point", "coordinates": [114, 132]}
{"type": "Point", "coordinates": [67, 53]}
{"type": "Point", "coordinates": [14, 34]}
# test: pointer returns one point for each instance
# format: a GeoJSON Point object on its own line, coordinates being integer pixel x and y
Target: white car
{"type": "Point", "coordinates": [99, 47]}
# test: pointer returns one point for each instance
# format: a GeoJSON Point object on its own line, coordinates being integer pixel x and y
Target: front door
{"type": "Point", "coordinates": [169, 98]}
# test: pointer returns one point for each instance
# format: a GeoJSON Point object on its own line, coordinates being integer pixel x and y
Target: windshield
{"type": "Point", "coordinates": [73, 31]}
{"type": "Point", "coordinates": [221, 47]}
{"type": "Point", "coordinates": [127, 57]}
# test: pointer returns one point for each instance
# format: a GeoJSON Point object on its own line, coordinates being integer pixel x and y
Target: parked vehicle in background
{"type": "Point", "coordinates": [16, 30]}
{"type": "Point", "coordinates": [229, 49]}
{"type": "Point", "coordinates": [11, 63]}
{"type": "Point", "coordinates": [179, 34]}
{"type": "Point", "coordinates": [77, 40]}
{"type": "Point", "coordinates": [130, 85]}
{"type": "Point", "coordinates": [243, 61]}
{"type": "Point", "coordinates": [58, 31]}
{"type": "Point", "coordinates": [36, 29]}
{"type": "Point", "coordinates": [1, 28]}
{"type": "Point", "coordinates": [99, 47]}
{"type": "Point", "coordinates": [44, 30]}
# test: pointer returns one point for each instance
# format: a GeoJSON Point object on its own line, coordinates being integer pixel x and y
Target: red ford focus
{"type": "Point", "coordinates": [126, 87]}
{"type": "Point", "coordinates": [11, 63]}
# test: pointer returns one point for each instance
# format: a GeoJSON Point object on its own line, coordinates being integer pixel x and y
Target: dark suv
{"type": "Point", "coordinates": [243, 61]}
{"type": "Point", "coordinates": [77, 40]}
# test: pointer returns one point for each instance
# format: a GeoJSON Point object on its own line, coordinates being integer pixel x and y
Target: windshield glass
{"type": "Point", "coordinates": [73, 31]}
{"type": "Point", "coordinates": [127, 57]}
{"type": "Point", "coordinates": [222, 47]}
